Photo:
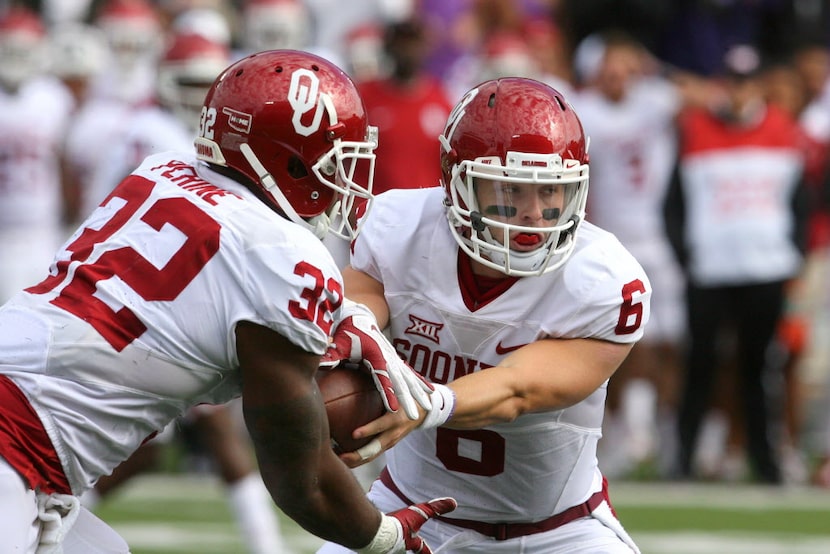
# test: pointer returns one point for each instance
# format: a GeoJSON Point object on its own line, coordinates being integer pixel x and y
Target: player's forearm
{"type": "Point", "coordinates": [308, 482]}
{"type": "Point", "coordinates": [332, 505]}
{"type": "Point", "coordinates": [365, 290]}
{"type": "Point", "coordinates": [546, 375]}
{"type": "Point", "coordinates": [485, 398]}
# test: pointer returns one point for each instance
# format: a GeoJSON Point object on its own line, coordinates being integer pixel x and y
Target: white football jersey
{"type": "Point", "coordinates": [633, 149]}
{"type": "Point", "coordinates": [32, 126]}
{"type": "Point", "coordinates": [148, 130]}
{"type": "Point", "coordinates": [135, 85]}
{"type": "Point", "coordinates": [134, 322]}
{"type": "Point", "coordinates": [96, 128]}
{"type": "Point", "coordinates": [542, 463]}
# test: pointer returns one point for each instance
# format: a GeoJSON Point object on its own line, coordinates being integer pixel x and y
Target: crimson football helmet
{"type": "Point", "coordinates": [22, 46]}
{"type": "Point", "coordinates": [208, 22]}
{"type": "Point", "coordinates": [294, 124]}
{"type": "Point", "coordinates": [186, 71]}
{"type": "Point", "coordinates": [133, 29]}
{"type": "Point", "coordinates": [506, 131]}
{"type": "Point", "coordinates": [275, 25]}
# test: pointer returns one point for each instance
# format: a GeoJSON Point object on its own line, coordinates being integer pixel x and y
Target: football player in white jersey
{"type": "Point", "coordinates": [77, 55]}
{"type": "Point", "coordinates": [135, 34]}
{"type": "Point", "coordinates": [199, 279]}
{"type": "Point", "coordinates": [186, 70]}
{"type": "Point", "coordinates": [34, 112]}
{"type": "Point", "coordinates": [496, 289]}
{"type": "Point", "coordinates": [629, 113]}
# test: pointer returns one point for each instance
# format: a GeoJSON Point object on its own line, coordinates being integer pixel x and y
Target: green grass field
{"type": "Point", "coordinates": [187, 514]}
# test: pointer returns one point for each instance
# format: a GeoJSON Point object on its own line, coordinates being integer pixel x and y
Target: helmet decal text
{"type": "Point", "coordinates": [239, 121]}
{"type": "Point", "coordinates": [304, 96]}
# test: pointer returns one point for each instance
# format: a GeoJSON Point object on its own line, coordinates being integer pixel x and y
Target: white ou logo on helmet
{"type": "Point", "coordinates": [304, 96]}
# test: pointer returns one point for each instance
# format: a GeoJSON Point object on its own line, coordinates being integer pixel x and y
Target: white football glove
{"type": "Point", "coordinates": [357, 339]}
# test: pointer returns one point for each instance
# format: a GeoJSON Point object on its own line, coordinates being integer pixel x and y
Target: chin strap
{"type": "Point", "coordinates": [319, 225]}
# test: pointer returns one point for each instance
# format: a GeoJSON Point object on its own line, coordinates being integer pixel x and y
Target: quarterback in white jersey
{"type": "Point", "coordinates": [523, 309]}
{"type": "Point", "coordinates": [198, 280]}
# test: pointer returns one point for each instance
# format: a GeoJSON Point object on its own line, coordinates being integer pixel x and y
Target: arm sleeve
{"type": "Point", "coordinates": [295, 291]}
{"type": "Point", "coordinates": [610, 293]}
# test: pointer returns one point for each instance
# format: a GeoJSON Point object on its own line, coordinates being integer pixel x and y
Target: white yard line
{"type": "Point", "coordinates": [200, 538]}
{"type": "Point", "coordinates": [205, 537]}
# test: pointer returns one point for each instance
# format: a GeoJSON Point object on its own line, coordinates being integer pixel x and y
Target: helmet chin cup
{"type": "Point", "coordinates": [510, 260]}
{"type": "Point", "coordinates": [319, 225]}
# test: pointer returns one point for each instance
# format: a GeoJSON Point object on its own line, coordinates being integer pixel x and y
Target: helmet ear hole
{"type": "Point", "coordinates": [296, 168]}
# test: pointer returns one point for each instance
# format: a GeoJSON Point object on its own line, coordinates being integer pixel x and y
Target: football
{"type": "Point", "coordinates": [351, 400]}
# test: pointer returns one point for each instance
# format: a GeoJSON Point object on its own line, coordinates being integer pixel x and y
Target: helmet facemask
{"type": "Point", "coordinates": [556, 188]}
{"type": "Point", "coordinates": [337, 170]}
{"type": "Point", "coordinates": [275, 25]}
{"type": "Point", "coordinates": [340, 169]}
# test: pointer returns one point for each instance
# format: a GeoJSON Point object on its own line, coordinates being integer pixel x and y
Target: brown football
{"type": "Point", "coordinates": [351, 400]}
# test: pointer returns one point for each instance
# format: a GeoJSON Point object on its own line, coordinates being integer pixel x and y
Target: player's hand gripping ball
{"type": "Point", "coordinates": [352, 400]}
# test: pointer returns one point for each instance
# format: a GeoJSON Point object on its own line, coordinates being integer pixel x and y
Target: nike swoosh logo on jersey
{"type": "Point", "coordinates": [501, 350]}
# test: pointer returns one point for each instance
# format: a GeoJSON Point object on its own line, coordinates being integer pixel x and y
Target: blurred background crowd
{"type": "Point", "coordinates": [703, 115]}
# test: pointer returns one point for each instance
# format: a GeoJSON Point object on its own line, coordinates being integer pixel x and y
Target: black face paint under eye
{"type": "Point", "coordinates": [501, 211]}
{"type": "Point", "coordinates": [549, 214]}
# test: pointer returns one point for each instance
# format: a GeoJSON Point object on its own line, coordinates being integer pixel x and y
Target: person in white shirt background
{"type": "Point", "coordinates": [35, 110]}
